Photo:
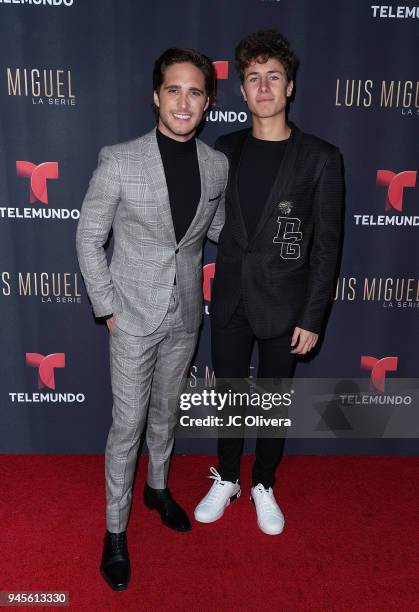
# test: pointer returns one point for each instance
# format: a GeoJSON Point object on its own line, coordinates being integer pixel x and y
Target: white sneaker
{"type": "Point", "coordinates": [270, 518]}
{"type": "Point", "coordinates": [222, 492]}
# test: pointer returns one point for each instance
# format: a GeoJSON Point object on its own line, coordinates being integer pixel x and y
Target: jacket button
{"type": "Point", "coordinates": [177, 251]}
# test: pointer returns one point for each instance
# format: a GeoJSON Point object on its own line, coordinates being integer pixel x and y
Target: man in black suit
{"type": "Point", "coordinates": [277, 256]}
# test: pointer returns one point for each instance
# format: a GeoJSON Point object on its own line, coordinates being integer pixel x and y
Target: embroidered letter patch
{"type": "Point", "coordinates": [288, 235]}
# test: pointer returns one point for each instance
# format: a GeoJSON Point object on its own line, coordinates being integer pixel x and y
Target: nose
{"type": "Point", "coordinates": [264, 84]}
{"type": "Point", "coordinates": [183, 101]}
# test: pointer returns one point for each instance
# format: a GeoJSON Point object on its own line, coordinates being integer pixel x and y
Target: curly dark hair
{"type": "Point", "coordinates": [263, 45]}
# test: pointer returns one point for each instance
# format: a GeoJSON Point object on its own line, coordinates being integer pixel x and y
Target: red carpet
{"type": "Point", "coordinates": [350, 541]}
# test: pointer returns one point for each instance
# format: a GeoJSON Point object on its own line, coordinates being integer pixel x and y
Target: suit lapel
{"type": "Point", "coordinates": [234, 173]}
{"type": "Point", "coordinates": [283, 178]}
{"type": "Point", "coordinates": [157, 181]}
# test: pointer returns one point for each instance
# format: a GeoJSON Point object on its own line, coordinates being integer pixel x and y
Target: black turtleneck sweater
{"type": "Point", "coordinates": [181, 168]}
{"type": "Point", "coordinates": [259, 164]}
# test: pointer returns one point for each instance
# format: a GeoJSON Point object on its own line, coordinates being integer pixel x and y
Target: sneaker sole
{"type": "Point", "coordinates": [260, 526]}
{"type": "Point", "coordinates": [212, 520]}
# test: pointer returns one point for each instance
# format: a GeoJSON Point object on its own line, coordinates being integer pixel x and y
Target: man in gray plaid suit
{"type": "Point", "coordinates": [162, 194]}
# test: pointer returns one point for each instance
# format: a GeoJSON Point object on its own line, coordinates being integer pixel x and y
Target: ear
{"type": "Point", "coordinates": [243, 93]}
{"type": "Point", "coordinates": [290, 87]}
{"type": "Point", "coordinates": [156, 99]}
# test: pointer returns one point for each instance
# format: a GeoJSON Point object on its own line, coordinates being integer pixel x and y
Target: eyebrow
{"type": "Point", "coordinates": [180, 87]}
{"type": "Point", "coordinates": [255, 72]}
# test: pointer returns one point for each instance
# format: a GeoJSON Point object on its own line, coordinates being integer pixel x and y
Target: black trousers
{"type": "Point", "coordinates": [232, 347]}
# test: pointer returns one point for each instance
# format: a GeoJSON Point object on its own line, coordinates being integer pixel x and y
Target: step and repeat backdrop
{"type": "Point", "coordinates": [76, 75]}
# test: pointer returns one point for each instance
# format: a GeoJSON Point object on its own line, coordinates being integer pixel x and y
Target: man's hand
{"type": "Point", "coordinates": [109, 323]}
{"type": "Point", "coordinates": [306, 341]}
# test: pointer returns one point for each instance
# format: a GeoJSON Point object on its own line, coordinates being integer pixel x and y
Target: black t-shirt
{"type": "Point", "coordinates": [181, 168]}
{"type": "Point", "coordinates": [259, 165]}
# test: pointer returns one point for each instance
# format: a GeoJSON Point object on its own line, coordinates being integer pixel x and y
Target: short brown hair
{"type": "Point", "coordinates": [263, 45]}
{"type": "Point", "coordinates": [179, 56]}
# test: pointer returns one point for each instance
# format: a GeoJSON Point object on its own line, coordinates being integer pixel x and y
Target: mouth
{"type": "Point", "coordinates": [182, 116]}
{"type": "Point", "coordinates": [264, 100]}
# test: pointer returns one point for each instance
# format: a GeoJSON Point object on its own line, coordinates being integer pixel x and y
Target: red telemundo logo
{"type": "Point", "coordinates": [221, 70]}
{"type": "Point", "coordinates": [395, 184]}
{"type": "Point", "coordinates": [208, 273]}
{"type": "Point", "coordinates": [46, 365]}
{"type": "Point", "coordinates": [378, 369]}
{"type": "Point", "coordinates": [38, 176]}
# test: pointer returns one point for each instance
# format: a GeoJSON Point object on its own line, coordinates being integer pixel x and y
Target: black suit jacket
{"type": "Point", "coordinates": [285, 272]}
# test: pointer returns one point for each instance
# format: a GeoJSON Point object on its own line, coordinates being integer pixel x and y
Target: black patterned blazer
{"type": "Point", "coordinates": [285, 272]}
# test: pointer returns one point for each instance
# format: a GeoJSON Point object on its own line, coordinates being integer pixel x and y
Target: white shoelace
{"type": "Point", "coordinates": [268, 503]}
{"type": "Point", "coordinates": [215, 490]}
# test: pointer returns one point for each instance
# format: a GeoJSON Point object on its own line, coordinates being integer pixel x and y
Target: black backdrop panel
{"type": "Point", "coordinates": [76, 74]}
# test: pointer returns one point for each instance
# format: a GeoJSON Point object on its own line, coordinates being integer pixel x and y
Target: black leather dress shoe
{"type": "Point", "coordinates": [171, 514]}
{"type": "Point", "coordinates": [115, 566]}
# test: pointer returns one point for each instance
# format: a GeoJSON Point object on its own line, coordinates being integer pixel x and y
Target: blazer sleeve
{"type": "Point", "coordinates": [96, 217]}
{"type": "Point", "coordinates": [218, 220]}
{"type": "Point", "coordinates": [327, 238]}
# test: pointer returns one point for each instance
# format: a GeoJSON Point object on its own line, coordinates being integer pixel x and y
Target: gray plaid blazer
{"type": "Point", "coordinates": [128, 192]}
